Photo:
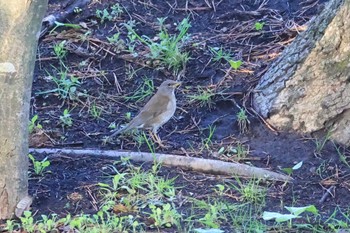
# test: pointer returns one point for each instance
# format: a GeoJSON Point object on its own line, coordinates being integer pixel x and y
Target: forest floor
{"type": "Point", "coordinates": [93, 75]}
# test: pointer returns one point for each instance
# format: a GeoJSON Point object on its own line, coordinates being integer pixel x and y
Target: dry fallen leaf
{"type": "Point", "coordinates": [23, 205]}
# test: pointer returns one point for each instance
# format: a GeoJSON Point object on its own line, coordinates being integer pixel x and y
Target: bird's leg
{"type": "Point", "coordinates": [157, 139]}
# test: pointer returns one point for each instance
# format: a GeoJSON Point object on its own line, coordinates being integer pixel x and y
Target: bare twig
{"type": "Point", "coordinates": [191, 163]}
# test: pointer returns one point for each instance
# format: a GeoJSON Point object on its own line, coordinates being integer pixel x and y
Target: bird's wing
{"type": "Point", "coordinates": [156, 106]}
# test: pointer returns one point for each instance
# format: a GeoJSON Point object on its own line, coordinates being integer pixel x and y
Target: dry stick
{"type": "Point", "coordinates": [191, 163]}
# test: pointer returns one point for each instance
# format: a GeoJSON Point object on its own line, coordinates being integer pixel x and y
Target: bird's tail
{"type": "Point", "coordinates": [122, 130]}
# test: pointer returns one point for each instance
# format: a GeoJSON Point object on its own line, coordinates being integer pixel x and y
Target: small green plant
{"type": "Point", "coordinates": [342, 156]}
{"type": "Point", "coordinates": [118, 43]}
{"type": "Point", "coordinates": [95, 111]}
{"type": "Point", "coordinates": [109, 15]}
{"type": "Point", "coordinates": [115, 39]}
{"type": "Point", "coordinates": [204, 97]}
{"type": "Point", "coordinates": [132, 38]}
{"type": "Point", "coordinates": [250, 191]}
{"type": "Point", "coordinates": [112, 125]}
{"type": "Point", "coordinates": [242, 120]}
{"type": "Point", "coordinates": [219, 189]}
{"type": "Point", "coordinates": [60, 50]}
{"type": "Point", "coordinates": [208, 140]}
{"type": "Point", "coordinates": [320, 143]}
{"type": "Point", "coordinates": [335, 223]}
{"type": "Point", "coordinates": [164, 215]}
{"type": "Point", "coordinates": [66, 118]}
{"type": "Point", "coordinates": [235, 64]}
{"type": "Point", "coordinates": [259, 26]}
{"type": "Point", "coordinates": [295, 212]}
{"type": "Point", "coordinates": [11, 225]}
{"type": "Point", "coordinates": [214, 212]}
{"type": "Point", "coordinates": [33, 125]}
{"type": "Point", "coordinates": [219, 54]}
{"type": "Point", "coordinates": [144, 90]}
{"type": "Point", "coordinates": [128, 116]}
{"type": "Point", "coordinates": [27, 222]}
{"type": "Point", "coordinates": [39, 166]}
{"type": "Point", "coordinates": [241, 151]}
{"type": "Point", "coordinates": [290, 170]}
{"type": "Point", "coordinates": [66, 86]}
{"type": "Point", "coordinates": [169, 49]}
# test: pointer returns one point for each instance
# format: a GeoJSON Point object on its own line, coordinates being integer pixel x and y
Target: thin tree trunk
{"type": "Point", "coordinates": [20, 22]}
{"type": "Point", "coordinates": [307, 88]}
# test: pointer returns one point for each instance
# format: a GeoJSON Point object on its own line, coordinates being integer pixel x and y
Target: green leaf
{"type": "Point", "coordinates": [235, 64]}
{"type": "Point", "coordinates": [220, 187]}
{"type": "Point", "coordinates": [103, 185]}
{"type": "Point", "coordinates": [299, 210]}
{"type": "Point", "coordinates": [278, 217]}
{"type": "Point", "coordinates": [288, 170]}
{"type": "Point", "coordinates": [31, 157]}
{"type": "Point", "coordinates": [46, 163]}
{"type": "Point", "coordinates": [35, 118]}
{"type": "Point", "coordinates": [259, 26]}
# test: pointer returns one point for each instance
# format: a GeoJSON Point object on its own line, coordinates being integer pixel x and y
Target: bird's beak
{"type": "Point", "coordinates": [177, 84]}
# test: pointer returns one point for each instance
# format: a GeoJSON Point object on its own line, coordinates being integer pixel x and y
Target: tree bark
{"type": "Point", "coordinates": [307, 89]}
{"type": "Point", "coordinates": [20, 23]}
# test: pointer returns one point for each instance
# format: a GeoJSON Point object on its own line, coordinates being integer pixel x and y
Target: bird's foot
{"type": "Point", "coordinates": [161, 145]}
{"type": "Point", "coordinates": [105, 140]}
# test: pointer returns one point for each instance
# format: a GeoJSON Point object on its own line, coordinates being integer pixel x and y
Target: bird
{"type": "Point", "coordinates": [158, 111]}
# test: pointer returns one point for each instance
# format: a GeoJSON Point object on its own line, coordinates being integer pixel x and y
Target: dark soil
{"type": "Point", "coordinates": [108, 75]}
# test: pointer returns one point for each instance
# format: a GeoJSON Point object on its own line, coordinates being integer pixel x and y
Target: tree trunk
{"type": "Point", "coordinates": [307, 89]}
{"type": "Point", "coordinates": [19, 26]}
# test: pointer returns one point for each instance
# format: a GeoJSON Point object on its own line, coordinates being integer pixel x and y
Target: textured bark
{"type": "Point", "coordinates": [308, 88]}
{"type": "Point", "coordinates": [19, 26]}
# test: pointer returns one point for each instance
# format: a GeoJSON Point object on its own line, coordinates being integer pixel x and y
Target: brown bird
{"type": "Point", "coordinates": [158, 111]}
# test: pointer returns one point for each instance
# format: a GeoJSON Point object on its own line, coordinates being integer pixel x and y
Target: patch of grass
{"type": "Point", "coordinates": [145, 90]}
{"type": "Point", "coordinates": [169, 48]}
{"type": "Point", "coordinates": [66, 87]}
{"type": "Point", "coordinates": [244, 218]}
{"type": "Point", "coordinates": [237, 152]}
{"type": "Point", "coordinates": [250, 191]}
{"type": "Point", "coordinates": [110, 14]}
{"type": "Point", "coordinates": [204, 97]}
{"type": "Point", "coordinates": [95, 111]}
{"type": "Point", "coordinates": [242, 120]}
{"type": "Point", "coordinates": [101, 222]}
{"type": "Point", "coordinates": [164, 215]}
{"type": "Point", "coordinates": [338, 220]}
{"type": "Point", "coordinates": [214, 212]}
{"type": "Point", "coordinates": [241, 151]}
{"type": "Point", "coordinates": [207, 142]}
{"type": "Point", "coordinates": [341, 154]}
{"type": "Point", "coordinates": [117, 42]}
{"type": "Point", "coordinates": [219, 54]}
{"type": "Point", "coordinates": [320, 143]}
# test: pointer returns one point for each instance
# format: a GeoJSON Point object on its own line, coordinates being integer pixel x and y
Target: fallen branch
{"type": "Point", "coordinates": [62, 15]}
{"type": "Point", "coordinates": [191, 163]}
